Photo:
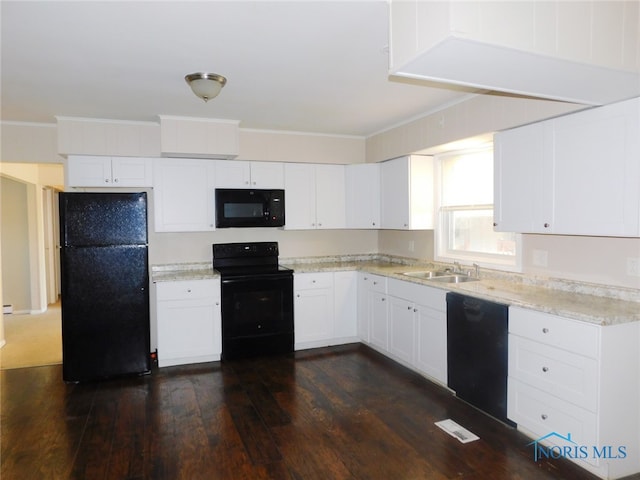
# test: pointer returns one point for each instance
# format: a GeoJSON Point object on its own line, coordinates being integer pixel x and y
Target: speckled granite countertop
{"type": "Point", "coordinates": [597, 304]}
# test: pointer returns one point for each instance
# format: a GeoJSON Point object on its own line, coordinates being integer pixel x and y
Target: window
{"type": "Point", "coordinates": [465, 213]}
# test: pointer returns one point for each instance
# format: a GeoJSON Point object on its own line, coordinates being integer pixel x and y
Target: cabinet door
{"type": "Point", "coordinates": [88, 171]}
{"type": "Point", "coordinates": [314, 307]}
{"type": "Point", "coordinates": [267, 175]}
{"type": "Point", "coordinates": [368, 284]}
{"type": "Point", "coordinates": [185, 330]}
{"type": "Point", "coordinates": [596, 167]}
{"type": "Point", "coordinates": [131, 172]}
{"type": "Point", "coordinates": [524, 180]}
{"type": "Point", "coordinates": [330, 197]}
{"type": "Point", "coordinates": [394, 190]}
{"type": "Point", "coordinates": [232, 174]}
{"type": "Point", "coordinates": [431, 342]}
{"type": "Point", "coordinates": [378, 320]}
{"type": "Point", "coordinates": [183, 195]}
{"type": "Point", "coordinates": [363, 195]}
{"type": "Point", "coordinates": [300, 196]}
{"type": "Point", "coordinates": [345, 296]}
{"type": "Point", "coordinates": [401, 329]}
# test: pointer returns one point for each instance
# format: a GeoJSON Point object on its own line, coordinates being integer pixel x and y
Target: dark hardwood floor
{"type": "Point", "coordinates": [335, 413]}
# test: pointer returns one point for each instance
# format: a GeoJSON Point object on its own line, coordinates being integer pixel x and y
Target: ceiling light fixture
{"type": "Point", "coordinates": [206, 85]}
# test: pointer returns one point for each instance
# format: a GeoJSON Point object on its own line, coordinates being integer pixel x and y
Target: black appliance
{"type": "Point", "coordinates": [477, 353]}
{"type": "Point", "coordinates": [105, 279]}
{"type": "Point", "coordinates": [236, 207]}
{"type": "Point", "coordinates": [257, 299]}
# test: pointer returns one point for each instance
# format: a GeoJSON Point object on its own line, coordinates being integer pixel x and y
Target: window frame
{"type": "Point", "coordinates": [442, 253]}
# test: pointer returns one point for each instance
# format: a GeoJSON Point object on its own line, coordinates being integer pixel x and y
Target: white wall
{"type": "Point", "coordinates": [196, 247]}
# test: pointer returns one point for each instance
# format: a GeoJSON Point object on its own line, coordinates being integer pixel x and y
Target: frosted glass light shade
{"type": "Point", "coordinates": [206, 85]}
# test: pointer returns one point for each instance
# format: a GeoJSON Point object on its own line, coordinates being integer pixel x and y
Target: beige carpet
{"type": "Point", "coordinates": [32, 340]}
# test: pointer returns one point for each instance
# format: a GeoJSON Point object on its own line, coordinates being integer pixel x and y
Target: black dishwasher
{"type": "Point", "coordinates": [477, 350]}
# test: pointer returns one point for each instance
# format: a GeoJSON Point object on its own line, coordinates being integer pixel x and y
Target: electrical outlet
{"type": "Point", "coordinates": [633, 266]}
{"type": "Point", "coordinates": [540, 258]}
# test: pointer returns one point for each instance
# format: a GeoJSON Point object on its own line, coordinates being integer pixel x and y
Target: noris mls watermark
{"type": "Point", "coordinates": [565, 447]}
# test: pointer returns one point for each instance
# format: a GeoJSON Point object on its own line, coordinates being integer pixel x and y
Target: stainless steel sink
{"type": "Point", "coordinates": [426, 274]}
{"type": "Point", "coordinates": [455, 279]}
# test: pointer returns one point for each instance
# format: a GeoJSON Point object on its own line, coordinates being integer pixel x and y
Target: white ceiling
{"type": "Point", "coordinates": [301, 65]}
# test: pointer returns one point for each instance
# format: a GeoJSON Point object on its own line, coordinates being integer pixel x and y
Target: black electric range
{"type": "Point", "coordinates": [257, 300]}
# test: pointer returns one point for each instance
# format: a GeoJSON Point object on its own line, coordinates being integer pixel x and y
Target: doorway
{"type": "Point", "coordinates": [31, 272]}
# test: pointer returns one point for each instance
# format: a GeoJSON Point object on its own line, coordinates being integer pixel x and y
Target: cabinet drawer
{"type": "Point", "coordinates": [563, 374]}
{"type": "Point", "coordinates": [571, 335]}
{"type": "Point", "coordinates": [374, 283]}
{"type": "Point", "coordinates": [304, 281]}
{"type": "Point", "coordinates": [419, 294]}
{"type": "Point", "coordinates": [187, 290]}
{"type": "Point", "coordinates": [542, 414]}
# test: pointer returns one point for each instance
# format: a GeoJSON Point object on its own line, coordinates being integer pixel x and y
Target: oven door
{"type": "Point", "coordinates": [257, 315]}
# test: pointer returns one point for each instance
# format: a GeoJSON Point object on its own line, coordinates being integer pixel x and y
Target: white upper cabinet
{"type": "Point", "coordinates": [363, 195]}
{"type": "Point", "coordinates": [314, 196]}
{"type": "Point", "coordinates": [89, 136]}
{"type": "Point", "coordinates": [573, 175]}
{"type": "Point", "coordinates": [406, 187]}
{"type": "Point", "coordinates": [584, 52]}
{"type": "Point", "coordinates": [242, 174]}
{"type": "Point", "coordinates": [95, 171]}
{"type": "Point", "coordinates": [199, 137]}
{"type": "Point", "coordinates": [183, 194]}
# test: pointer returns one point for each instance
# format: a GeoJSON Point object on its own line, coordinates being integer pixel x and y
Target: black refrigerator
{"type": "Point", "coordinates": [105, 285]}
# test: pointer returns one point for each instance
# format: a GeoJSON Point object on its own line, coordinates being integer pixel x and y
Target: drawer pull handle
{"type": "Point", "coordinates": [544, 416]}
{"type": "Point", "coordinates": [545, 369]}
{"type": "Point", "coordinates": [375, 283]}
{"type": "Point", "coordinates": [409, 307]}
{"type": "Point", "coordinates": [545, 330]}
{"type": "Point", "coordinates": [188, 290]}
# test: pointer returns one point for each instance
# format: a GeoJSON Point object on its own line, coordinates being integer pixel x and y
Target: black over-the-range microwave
{"type": "Point", "coordinates": [243, 207]}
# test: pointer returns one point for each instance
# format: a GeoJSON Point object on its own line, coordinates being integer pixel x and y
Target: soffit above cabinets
{"type": "Point", "coordinates": [581, 52]}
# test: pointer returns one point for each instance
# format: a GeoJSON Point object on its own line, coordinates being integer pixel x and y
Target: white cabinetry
{"type": "Point", "coordinates": [96, 171]}
{"type": "Point", "coordinates": [241, 174]}
{"type": "Point", "coordinates": [183, 195]}
{"type": "Point", "coordinates": [406, 186]}
{"type": "Point", "coordinates": [92, 136]}
{"type": "Point", "coordinates": [418, 327]}
{"type": "Point", "coordinates": [345, 325]}
{"type": "Point", "coordinates": [401, 329]}
{"type": "Point", "coordinates": [199, 137]}
{"type": "Point", "coordinates": [363, 195]}
{"type": "Point", "coordinates": [372, 310]}
{"type": "Point", "coordinates": [324, 308]}
{"type": "Point", "coordinates": [189, 328]}
{"type": "Point", "coordinates": [314, 196]}
{"type": "Point", "coordinates": [571, 377]}
{"type": "Point", "coordinates": [313, 308]}
{"type": "Point", "coordinates": [574, 175]}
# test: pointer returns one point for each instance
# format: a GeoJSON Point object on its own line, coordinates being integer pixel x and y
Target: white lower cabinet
{"type": "Point", "coordinates": [189, 322]}
{"type": "Point", "coordinates": [418, 327]}
{"type": "Point", "coordinates": [372, 308]}
{"type": "Point", "coordinates": [401, 329]}
{"type": "Point", "coordinates": [324, 309]}
{"type": "Point", "coordinates": [406, 321]}
{"type": "Point", "coordinates": [569, 378]}
{"type": "Point", "coordinates": [431, 337]}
